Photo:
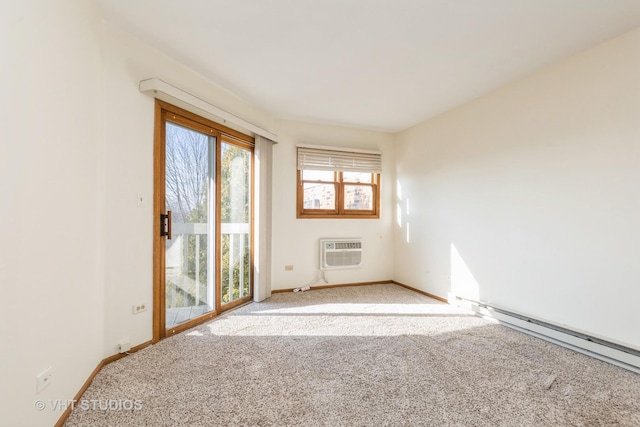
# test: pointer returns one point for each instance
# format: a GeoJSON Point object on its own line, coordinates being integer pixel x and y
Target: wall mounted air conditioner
{"type": "Point", "coordinates": [340, 253]}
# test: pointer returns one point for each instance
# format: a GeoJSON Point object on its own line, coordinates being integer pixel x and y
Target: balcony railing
{"type": "Point", "coordinates": [189, 283]}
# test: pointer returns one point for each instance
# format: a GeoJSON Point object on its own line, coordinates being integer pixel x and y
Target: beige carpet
{"type": "Point", "coordinates": [376, 355]}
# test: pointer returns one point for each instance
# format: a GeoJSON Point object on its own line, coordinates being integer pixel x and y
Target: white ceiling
{"type": "Point", "coordinates": [373, 64]}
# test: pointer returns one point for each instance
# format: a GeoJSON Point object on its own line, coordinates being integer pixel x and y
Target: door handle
{"type": "Point", "coordinates": [165, 225]}
{"type": "Point", "coordinates": [168, 225]}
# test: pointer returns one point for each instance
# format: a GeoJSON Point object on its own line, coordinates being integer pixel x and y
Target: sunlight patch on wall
{"type": "Point", "coordinates": [398, 204]}
{"type": "Point", "coordinates": [407, 215]}
{"type": "Point", "coordinates": [400, 219]}
{"type": "Point", "coordinates": [463, 283]}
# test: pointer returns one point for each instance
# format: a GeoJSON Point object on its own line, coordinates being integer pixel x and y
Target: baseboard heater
{"type": "Point", "coordinates": [616, 354]}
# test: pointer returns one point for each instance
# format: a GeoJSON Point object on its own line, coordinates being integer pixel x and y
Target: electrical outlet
{"type": "Point", "coordinates": [288, 267]}
{"type": "Point", "coordinates": [139, 308]}
{"type": "Point", "coordinates": [43, 379]}
{"type": "Point", "coordinates": [124, 346]}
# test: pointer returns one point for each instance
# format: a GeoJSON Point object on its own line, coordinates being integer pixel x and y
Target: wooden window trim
{"type": "Point", "coordinates": [339, 212]}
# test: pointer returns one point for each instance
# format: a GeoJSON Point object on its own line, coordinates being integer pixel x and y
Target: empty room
{"type": "Point", "coordinates": [332, 213]}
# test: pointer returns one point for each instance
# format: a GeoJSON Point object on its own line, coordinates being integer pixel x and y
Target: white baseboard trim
{"type": "Point", "coordinates": [616, 354]}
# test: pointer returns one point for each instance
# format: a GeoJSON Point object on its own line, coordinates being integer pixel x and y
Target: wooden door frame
{"type": "Point", "coordinates": [208, 127]}
{"type": "Point", "coordinates": [244, 145]}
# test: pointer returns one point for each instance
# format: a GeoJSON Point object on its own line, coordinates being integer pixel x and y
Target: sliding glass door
{"type": "Point", "coordinates": [190, 186]}
{"type": "Point", "coordinates": [203, 248]}
{"type": "Point", "coordinates": [235, 218]}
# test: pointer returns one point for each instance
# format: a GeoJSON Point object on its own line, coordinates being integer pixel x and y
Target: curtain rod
{"type": "Point", "coordinates": [161, 89]}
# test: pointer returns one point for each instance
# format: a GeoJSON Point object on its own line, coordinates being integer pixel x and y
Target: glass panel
{"type": "Point", "coordinates": [362, 177]}
{"type": "Point", "coordinates": [358, 197]}
{"type": "Point", "coordinates": [311, 175]}
{"type": "Point", "coordinates": [319, 196]}
{"type": "Point", "coordinates": [235, 193]}
{"type": "Point", "coordinates": [189, 284]}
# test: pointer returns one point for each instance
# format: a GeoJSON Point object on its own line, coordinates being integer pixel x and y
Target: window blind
{"type": "Point", "coordinates": [339, 160]}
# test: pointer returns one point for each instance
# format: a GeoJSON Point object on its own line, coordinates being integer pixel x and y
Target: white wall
{"type": "Point", "coordinates": [296, 241]}
{"type": "Point", "coordinates": [529, 197]}
{"type": "Point", "coordinates": [129, 164]}
{"type": "Point", "coordinates": [77, 147]}
{"type": "Point", "coordinates": [51, 212]}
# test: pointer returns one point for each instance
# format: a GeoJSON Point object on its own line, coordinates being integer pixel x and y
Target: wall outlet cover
{"type": "Point", "coordinates": [43, 379]}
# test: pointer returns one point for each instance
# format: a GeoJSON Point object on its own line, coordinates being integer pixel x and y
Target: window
{"type": "Point", "coordinates": [333, 183]}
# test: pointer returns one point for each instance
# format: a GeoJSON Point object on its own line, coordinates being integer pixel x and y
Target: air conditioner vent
{"type": "Point", "coordinates": [348, 245]}
{"type": "Point", "coordinates": [340, 254]}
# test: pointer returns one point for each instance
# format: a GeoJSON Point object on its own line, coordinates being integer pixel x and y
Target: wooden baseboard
{"type": "Point", "coordinates": [121, 355]}
{"type": "Point", "coordinates": [379, 282]}
{"type": "Point", "coordinates": [93, 374]}
{"type": "Point", "coordinates": [78, 395]}
{"type": "Point", "coordinates": [421, 292]}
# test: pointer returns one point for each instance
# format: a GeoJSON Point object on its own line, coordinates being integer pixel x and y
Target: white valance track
{"type": "Point", "coordinates": [167, 92]}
